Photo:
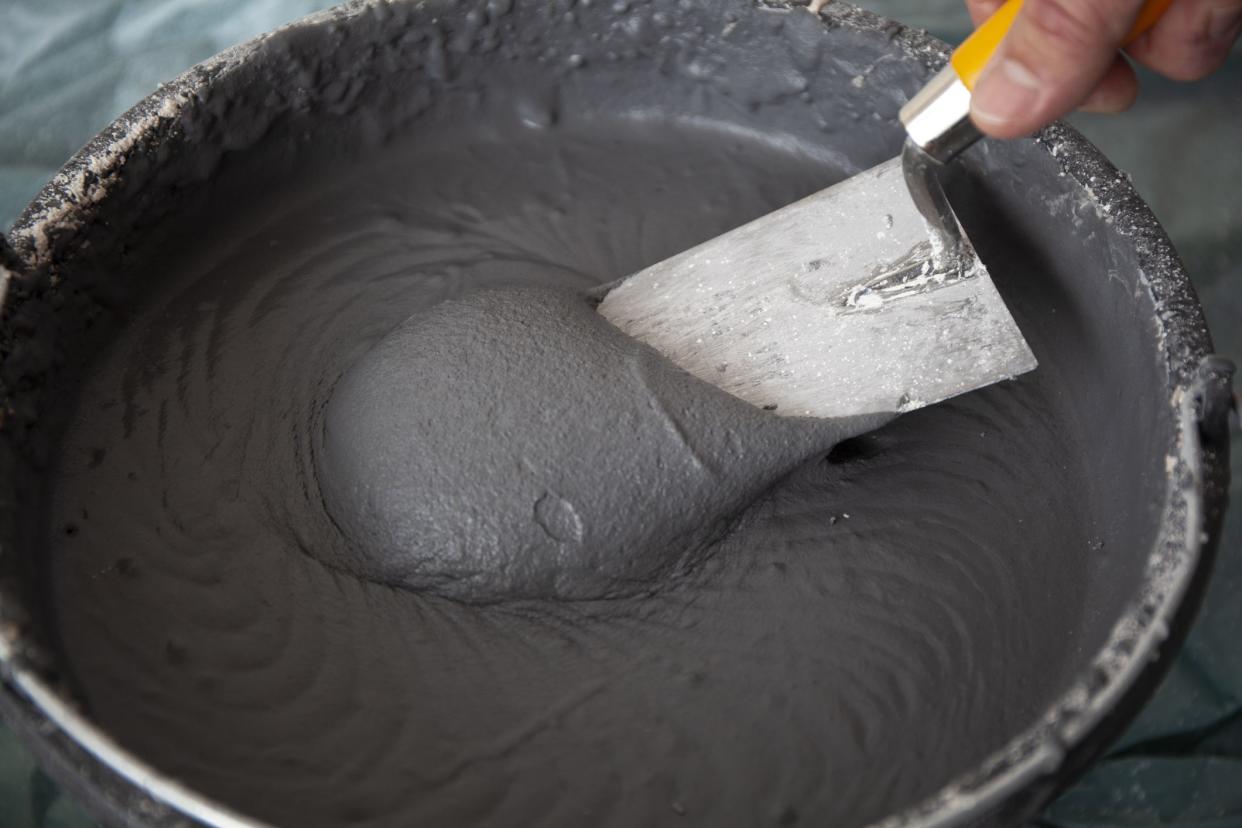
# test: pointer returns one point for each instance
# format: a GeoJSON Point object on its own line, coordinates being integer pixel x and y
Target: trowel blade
{"type": "Point", "coordinates": [829, 307]}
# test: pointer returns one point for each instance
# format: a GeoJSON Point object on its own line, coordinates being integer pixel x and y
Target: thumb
{"type": "Point", "coordinates": [1052, 58]}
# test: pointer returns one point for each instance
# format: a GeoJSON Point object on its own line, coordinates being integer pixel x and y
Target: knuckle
{"type": "Point", "coordinates": [1073, 24]}
{"type": "Point", "coordinates": [1188, 51]}
{"type": "Point", "coordinates": [1200, 48]}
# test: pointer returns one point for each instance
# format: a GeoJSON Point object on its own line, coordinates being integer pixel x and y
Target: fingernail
{"type": "Point", "coordinates": [1006, 91]}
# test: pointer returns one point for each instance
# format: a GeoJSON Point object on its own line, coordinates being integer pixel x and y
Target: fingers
{"type": "Point", "coordinates": [1116, 91]}
{"type": "Point", "coordinates": [1061, 54]}
{"type": "Point", "coordinates": [1192, 39]}
{"type": "Point", "coordinates": [1055, 55]}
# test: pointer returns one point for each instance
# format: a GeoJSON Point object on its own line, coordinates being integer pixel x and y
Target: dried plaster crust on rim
{"type": "Point", "coordinates": [73, 193]}
{"type": "Point", "coordinates": [68, 201]}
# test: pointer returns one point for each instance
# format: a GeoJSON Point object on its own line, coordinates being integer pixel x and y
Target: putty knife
{"type": "Point", "coordinates": [865, 297]}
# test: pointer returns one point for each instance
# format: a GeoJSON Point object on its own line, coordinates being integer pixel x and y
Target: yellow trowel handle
{"type": "Point", "coordinates": [969, 58]}
{"type": "Point", "coordinates": [937, 119]}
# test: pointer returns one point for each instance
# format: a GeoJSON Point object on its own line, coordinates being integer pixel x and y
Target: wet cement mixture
{"type": "Point", "coordinates": [513, 444]}
{"type": "Point", "coordinates": [332, 541]}
{"type": "Point", "coordinates": [841, 645]}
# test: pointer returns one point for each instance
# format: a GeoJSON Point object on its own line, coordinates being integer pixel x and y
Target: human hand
{"type": "Point", "coordinates": [1063, 54]}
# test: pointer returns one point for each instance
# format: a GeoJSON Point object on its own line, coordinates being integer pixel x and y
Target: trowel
{"type": "Point", "coordinates": [865, 297]}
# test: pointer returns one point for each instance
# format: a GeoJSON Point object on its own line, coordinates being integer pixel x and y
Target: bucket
{"type": "Point", "coordinates": [1116, 472]}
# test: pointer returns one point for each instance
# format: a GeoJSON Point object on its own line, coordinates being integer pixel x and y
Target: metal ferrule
{"type": "Point", "coordinates": [937, 118]}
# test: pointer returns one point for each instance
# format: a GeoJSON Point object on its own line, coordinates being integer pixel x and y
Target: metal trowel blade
{"type": "Point", "coordinates": [836, 305]}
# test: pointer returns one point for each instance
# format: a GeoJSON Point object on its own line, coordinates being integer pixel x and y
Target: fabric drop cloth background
{"type": "Point", "coordinates": [68, 67]}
